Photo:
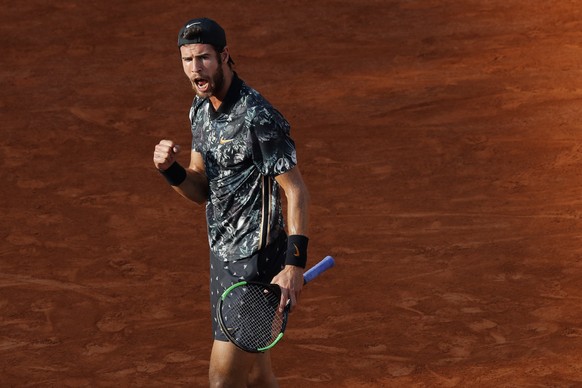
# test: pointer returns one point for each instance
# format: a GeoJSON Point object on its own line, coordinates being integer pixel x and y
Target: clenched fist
{"type": "Point", "coordinates": [165, 154]}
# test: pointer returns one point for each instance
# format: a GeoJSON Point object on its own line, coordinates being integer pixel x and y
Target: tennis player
{"type": "Point", "coordinates": [242, 155]}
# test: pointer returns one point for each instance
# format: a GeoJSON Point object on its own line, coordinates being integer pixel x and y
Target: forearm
{"type": "Point", "coordinates": [194, 187]}
{"type": "Point", "coordinates": [298, 211]}
{"type": "Point", "coordinates": [298, 200]}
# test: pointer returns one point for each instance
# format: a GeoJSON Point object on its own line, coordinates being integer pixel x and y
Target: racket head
{"type": "Point", "coordinates": [248, 314]}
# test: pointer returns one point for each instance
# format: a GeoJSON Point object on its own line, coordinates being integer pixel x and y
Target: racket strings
{"type": "Point", "coordinates": [251, 316]}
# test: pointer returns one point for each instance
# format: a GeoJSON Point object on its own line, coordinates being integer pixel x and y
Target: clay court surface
{"type": "Point", "coordinates": [441, 144]}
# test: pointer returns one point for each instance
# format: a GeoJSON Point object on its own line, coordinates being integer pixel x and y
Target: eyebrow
{"type": "Point", "coordinates": [202, 54]}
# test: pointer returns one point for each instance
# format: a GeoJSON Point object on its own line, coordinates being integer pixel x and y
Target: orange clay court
{"type": "Point", "coordinates": [441, 142]}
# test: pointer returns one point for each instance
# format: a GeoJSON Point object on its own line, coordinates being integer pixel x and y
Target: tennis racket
{"type": "Point", "coordinates": [248, 312]}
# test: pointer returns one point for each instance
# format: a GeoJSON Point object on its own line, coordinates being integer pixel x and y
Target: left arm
{"type": "Point", "coordinates": [290, 279]}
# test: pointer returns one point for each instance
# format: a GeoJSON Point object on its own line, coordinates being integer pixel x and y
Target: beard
{"type": "Point", "coordinates": [215, 84]}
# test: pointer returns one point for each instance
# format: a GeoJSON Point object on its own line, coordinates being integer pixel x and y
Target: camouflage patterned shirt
{"type": "Point", "coordinates": [245, 144]}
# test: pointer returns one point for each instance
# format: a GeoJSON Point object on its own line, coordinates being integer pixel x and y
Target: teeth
{"type": "Point", "coordinates": [201, 84]}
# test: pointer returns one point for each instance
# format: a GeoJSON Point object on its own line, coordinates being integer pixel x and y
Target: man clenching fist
{"type": "Point", "coordinates": [190, 183]}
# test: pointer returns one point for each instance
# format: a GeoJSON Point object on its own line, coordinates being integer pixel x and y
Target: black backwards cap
{"type": "Point", "coordinates": [202, 30]}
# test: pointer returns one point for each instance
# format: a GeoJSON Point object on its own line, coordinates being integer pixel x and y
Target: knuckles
{"type": "Point", "coordinates": [164, 153]}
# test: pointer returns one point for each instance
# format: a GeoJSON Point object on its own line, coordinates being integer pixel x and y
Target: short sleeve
{"type": "Point", "coordinates": [273, 149]}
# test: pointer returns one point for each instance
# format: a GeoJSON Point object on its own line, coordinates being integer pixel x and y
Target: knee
{"type": "Point", "coordinates": [218, 379]}
{"type": "Point", "coordinates": [261, 379]}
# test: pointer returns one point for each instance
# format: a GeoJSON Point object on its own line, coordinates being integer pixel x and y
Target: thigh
{"type": "Point", "coordinates": [262, 267]}
{"type": "Point", "coordinates": [232, 367]}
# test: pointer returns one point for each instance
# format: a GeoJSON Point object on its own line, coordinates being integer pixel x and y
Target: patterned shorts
{"type": "Point", "coordinates": [261, 267]}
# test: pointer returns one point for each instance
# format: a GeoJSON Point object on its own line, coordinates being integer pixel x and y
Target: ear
{"type": "Point", "coordinates": [225, 55]}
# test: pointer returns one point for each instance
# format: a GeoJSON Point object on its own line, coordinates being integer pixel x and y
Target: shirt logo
{"type": "Point", "coordinates": [225, 141]}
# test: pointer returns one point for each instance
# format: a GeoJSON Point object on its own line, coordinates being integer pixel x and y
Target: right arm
{"type": "Point", "coordinates": [195, 185]}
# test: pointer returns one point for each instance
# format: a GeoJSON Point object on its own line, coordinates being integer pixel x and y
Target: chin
{"type": "Point", "coordinates": [200, 94]}
{"type": "Point", "coordinates": [203, 95]}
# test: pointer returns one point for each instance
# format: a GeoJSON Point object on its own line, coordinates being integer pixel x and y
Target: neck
{"type": "Point", "coordinates": [217, 98]}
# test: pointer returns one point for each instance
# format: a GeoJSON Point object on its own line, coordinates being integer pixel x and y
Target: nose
{"type": "Point", "coordinates": [196, 65]}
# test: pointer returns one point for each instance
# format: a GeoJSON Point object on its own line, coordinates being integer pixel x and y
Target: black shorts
{"type": "Point", "coordinates": [260, 267]}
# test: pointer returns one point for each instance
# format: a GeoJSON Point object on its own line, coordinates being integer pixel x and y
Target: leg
{"type": "Point", "coordinates": [262, 373]}
{"type": "Point", "coordinates": [231, 367]}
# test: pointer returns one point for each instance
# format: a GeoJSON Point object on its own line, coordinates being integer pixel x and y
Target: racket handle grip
{"type": "Point", "coordinates": [318, 269]}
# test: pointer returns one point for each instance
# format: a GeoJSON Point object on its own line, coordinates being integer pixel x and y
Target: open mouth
{"type": "Point", "coordinates": [201, 84]}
